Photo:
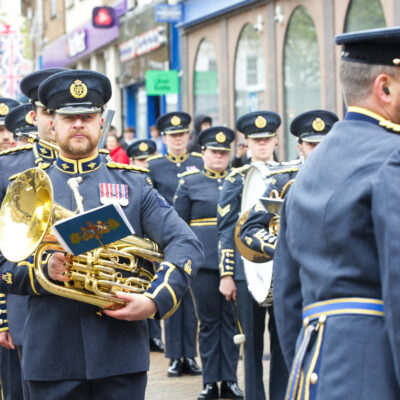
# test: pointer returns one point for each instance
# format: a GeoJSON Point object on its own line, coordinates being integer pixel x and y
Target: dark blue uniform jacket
{"type": "Point", "coordinates": [66, 339]}
{"type": "Point", "coordinates": [339, 238]}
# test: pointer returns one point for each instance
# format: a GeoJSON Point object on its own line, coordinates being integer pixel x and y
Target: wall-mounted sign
{"type": "Point", "coordinates": [143, 44]}
{"type": "Point", "coordinates": [76, 43]}
{"type": "Point", "coordinates": [168, 13]}
{"type": "Point", "coordinates": [161, 82]}
{"type": "Point", "coordinates": [103, 17]}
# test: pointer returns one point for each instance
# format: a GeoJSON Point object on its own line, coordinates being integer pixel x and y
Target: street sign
{"type": "Point", "coordinates": [161, 82]}
{"type": "Point", "coordinates": [168, 13]}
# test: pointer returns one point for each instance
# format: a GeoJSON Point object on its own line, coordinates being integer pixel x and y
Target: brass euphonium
{"type": "Point", "coordinates": [273, 205]}
{"type": "Point", "coordinates": [26, 217]}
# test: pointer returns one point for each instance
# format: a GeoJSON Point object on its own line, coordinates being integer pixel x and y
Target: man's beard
{"type": "Point", "coordinates": [78, 149]}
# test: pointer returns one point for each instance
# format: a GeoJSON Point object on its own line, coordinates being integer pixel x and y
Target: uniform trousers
{"type": "Point", "coordinates": [126, 387]}
{"type": "Point", "coordinates": [10, 374]}
{"type": "Point", "coordinates": [252, 317]}
{"type": "Point", "coordinates": [154, 328]}
{"type": "Point", "coordinates": [181, 330]}
{"type": "Point", "coordinates": [219, 354]}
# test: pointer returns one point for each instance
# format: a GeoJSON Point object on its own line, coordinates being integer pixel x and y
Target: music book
{"type": "Point", "coordinates": [92, 229]}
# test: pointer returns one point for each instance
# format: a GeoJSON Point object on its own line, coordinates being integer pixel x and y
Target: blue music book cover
{"type": "Point", "coordinates": [92, 229]}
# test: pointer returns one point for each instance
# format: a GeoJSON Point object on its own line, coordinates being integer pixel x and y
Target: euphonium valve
{"type": "Point", "coordinates": [26, 217]}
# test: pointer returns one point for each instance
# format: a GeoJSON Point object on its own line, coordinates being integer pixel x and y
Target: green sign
{"type": "Point", "coordinates": [161, 82]}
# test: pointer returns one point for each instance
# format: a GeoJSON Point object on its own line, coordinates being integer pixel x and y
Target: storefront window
{"type": "Point", "coordinates": [364, 14]}
{"type": "Point", "coordinates": [206, 82]}
{"type": "Point", "coordinates": [249, 73]}
{"type": "Point", "coordinates": [301, 72]}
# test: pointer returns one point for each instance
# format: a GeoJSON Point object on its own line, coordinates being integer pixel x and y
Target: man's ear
{"type": "Point", "coordinates": [381, 88]}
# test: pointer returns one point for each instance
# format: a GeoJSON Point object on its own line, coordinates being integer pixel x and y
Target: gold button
{"type": "Point", "coordinates": [306, 322]}
{"type": "Point", "coordinates": [314, 378]}
{"type": "Point", "coordinates": [322, 319]}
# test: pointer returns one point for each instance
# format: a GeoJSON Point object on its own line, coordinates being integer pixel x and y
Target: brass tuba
{"type": "Point", "coordinates": [26, 217]}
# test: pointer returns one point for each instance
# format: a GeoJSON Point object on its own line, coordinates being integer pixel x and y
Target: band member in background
{"type": "Point", "coordinates": [6, 137]}
{"type": "Point", "coordinates": [10, 369]}
{"type": "Point", "coordinates": [310, 128]}
{"type": "Point", "coordinates": [181, 327]}
{"type": "Point", "coordinates": [260, 131]}
{"type": "Point", "coordinates": [139, 151]}
{"type": "Point", "coordinates": [336, 293]}
{"type": "Point", "coordinates": [17, 160]}
{"type": "Point", "coordinates": [196, 201]}
{"type": "Point", "coordinates": [71, 352]}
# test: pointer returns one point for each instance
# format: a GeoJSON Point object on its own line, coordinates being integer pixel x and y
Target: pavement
{"type": "Point", "coordinates": [161, 387]}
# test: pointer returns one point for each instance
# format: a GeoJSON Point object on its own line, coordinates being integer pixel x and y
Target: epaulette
{"type": "Point", "coordinates": [236, 171]}
{"type": "Point", "coordinates": [284, 171]}
{"type": "Point", "coordinates": [126, 166]}
{"type": "Point", "coordinates": [186, 173]}
{"type": "Point", "coordinates": [194, 153]}
{"type": "Point", "coordinates": [155, 157]}
{"type": "Point", "coordinates": [104, 151]}
{"type": "Point", "coordinates": [42, 166]}
{"type": "Point", "coordinates": [15, 149]}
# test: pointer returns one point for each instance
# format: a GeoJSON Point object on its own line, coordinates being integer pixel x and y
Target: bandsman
{"type": "Point", "coordinates": [139, 151]}
{"type": "Point", "coordinates": [310, 128]}
{"type": "Point", "coordinates": [336, 291]}
{"type": "Point", "coordinates": [181, 327]}
{"type": "Point", "coordinates": [196, 201]}
{"type": "Point", "coordinates": [72, 351]}
{"type": "Point", "coordinates": [260, 131]}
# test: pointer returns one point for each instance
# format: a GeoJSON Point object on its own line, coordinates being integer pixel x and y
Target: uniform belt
{"type": "Point", "coordinates": [319, 312]}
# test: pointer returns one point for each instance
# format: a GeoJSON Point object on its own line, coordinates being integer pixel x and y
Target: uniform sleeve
{"type": "Point", "coordinates": [254, 233]}
{"type": "Point", "coordinates": [227, 217]}
{"type": "Point", "coordinates": [3, 313]}
{"type": "Point", "coordinates": [183, 252]}
{"type": "Point", "coordinates": [182, 202]}
{"type": "Point", "coordinates": [287, 293]}
{"type": "Point", "coordinates": [386, 221]}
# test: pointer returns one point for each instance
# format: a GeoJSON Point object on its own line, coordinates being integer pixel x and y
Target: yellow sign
{"type": "Point", "coordinates": [78, 89]}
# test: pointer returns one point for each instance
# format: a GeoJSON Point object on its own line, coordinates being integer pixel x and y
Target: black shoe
{"type": "Point", "coordinates": [190, 366]}
{"type": "Point", "coordinates": [231, 390]}
{"type": "Point", "coordinates": [175, 367]}
{"type": "Point", "coordinates": [210, 391]}
{"type": "Point", "coordinates": [156, 345]}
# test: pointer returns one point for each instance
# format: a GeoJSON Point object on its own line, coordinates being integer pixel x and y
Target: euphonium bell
{"type": "Point", "coordinates": [26, 217]}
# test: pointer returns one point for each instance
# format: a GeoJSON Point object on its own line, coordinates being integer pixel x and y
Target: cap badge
{"type": "Point", "coordinates": [4, 109]}
{"type": "Point", "coordinates": [28, 118]}
{"type": "Point", "coordinates": [78, 89]}
{"type": "Point", "coordinates": [260, 122]}
{"type": "Point", "coordinates": [220, 137]}
{"type": "Point", "coordinates": [318, 125]}
{"type": "Point", "coordinates": [175, 120]}
{"type": "Point", "coordinates": [396, 61]}
{"type": "Point", "coordinates": [143, 146]}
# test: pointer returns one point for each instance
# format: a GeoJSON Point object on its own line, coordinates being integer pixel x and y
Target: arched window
{"type": "Point", "coordinates": [205, 82]}
{"type": "Point", "coordinates": [249, 73]}
{"type": "Point", "coordinates": [364, 14]}
{"type": "Point", "coordinates": [301, 68]}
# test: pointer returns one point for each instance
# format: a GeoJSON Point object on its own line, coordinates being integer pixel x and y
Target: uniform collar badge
{"type": "Point", "coordinates": [85, 165]}
{"type": "Point", "coordinates": [110, 192]}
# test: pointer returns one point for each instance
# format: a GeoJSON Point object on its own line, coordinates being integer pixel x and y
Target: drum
{"type": "Point", "coordinates": [258, 273]}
